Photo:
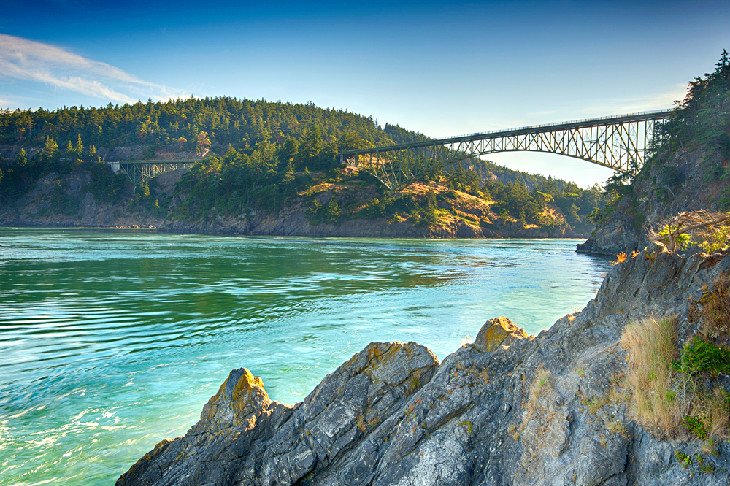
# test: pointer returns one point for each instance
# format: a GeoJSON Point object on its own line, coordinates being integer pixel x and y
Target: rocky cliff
{"type": "Point", "coordinates": [688, 169]}
{"type": "Point", "coordinates": [509, 409]}
{"type": "Point", "coordinates": [687, 180]}
{"type": "Point", "coordinates": [69, 200]}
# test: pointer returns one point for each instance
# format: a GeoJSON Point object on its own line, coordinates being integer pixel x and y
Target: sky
{"type": "Point", "coordinates": [440, 68]}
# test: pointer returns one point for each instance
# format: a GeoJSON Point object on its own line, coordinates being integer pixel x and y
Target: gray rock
{"type": "Point", "coordinates": [509, 409]}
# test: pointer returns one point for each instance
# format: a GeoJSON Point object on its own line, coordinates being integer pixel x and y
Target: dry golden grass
{"type": "Point", "coordinates": [718, 415]}
{"type": "Point", "coordinates": [650, 349]}
{"type": "Point", "coordinates": [317, 188]}
{"type": "Point", "coordinates": [661, 399]}
{"type": "Point", "coordinates": [716, 310]}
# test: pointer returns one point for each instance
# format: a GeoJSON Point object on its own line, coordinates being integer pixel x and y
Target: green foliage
{"type": "Point", "coordinates": [701, 120]}
{"type": "Point", "coordinates": [683, 459]}
{"type": "Point", "coordinates": [724, 202]}
{"type": "Point", "coordinates": [696, 427]}
{"type": "Point", "coordinates": [716, 240]}
{"type": "Point", "coordinates": [700, 356]}
{"type": "Point", "coordinates": [325, 213]}
{"type": "Point", "coordinates": [50, 148]}
{"type": "Point", "coordinates": [333, 210]}
{"type": "Point", "coordinates": [673, 239]}
{"type": "Point", "coordinates": [22, 157]}
{"type": "Point", "coordinates": [700, 124]}
{"type": "Point", "coordinates": [259, 155]}
{"type": "Point", "coordinates": [704, 466]}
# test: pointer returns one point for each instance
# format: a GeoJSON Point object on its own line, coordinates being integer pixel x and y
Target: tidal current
{"type": "Point", "coordinates": [113, 340]}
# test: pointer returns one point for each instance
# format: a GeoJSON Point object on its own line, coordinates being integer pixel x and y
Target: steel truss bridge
{"type": "Point", "coordinates": [140, 170]}
{"type": "Point", "coordinates": [617, 142]}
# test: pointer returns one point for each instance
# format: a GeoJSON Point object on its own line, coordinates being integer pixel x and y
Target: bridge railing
{"type": "Point", "coordinates": [567, 125]}
{"type": "Point", "coordinates": [639, 115]}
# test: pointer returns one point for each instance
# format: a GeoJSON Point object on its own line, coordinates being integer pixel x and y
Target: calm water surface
{"type": "Point", "coordinates": [113, 340]}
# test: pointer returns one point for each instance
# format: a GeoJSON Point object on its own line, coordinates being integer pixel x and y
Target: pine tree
{"type": "Point", "coordinates": [50, 148]}
{"type": "Point", "coordinates": [79, 145]}
{"type": "Point", "coordinates": [22, 157]}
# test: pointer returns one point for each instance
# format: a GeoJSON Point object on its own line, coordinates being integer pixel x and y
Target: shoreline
{"type": "Point", "coordinates": [325, 234]}
{"type": "Point", "coordinates": [395, 414]}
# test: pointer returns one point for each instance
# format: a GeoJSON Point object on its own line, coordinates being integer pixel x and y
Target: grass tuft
{"type": "Point", "coordinates": [650, 349]}
{"type": "Point", "coordinates": [669, 396]}
{"type": "Point", "coordinates": [716, 309]}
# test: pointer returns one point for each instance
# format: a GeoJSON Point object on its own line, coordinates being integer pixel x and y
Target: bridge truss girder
{"type": "Point", "coordinates": [619, 143]}
{"type": "Point", "coordinates": [621, 147]}
{"type": "Point", "coordinates": [140, 171]}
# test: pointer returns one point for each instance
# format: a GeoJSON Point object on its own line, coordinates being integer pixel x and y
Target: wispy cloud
{"type": "Point", "coordinates": [629, 105]}
{"type": "Point", "coordinates": [29, 60]}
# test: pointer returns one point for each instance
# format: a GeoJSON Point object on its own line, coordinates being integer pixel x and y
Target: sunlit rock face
{"type": "Point", "coordinates": [509, 409]}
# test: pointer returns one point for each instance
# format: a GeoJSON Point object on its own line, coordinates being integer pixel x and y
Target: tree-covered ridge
{"type": "Point", "coordinates": [699, 125]}
{"type": "Point", "coordinates": [688, 169]}
{"type": "Point", "coordinates": [265, 156]}
{"type": "Point", "coordinates": [178, 123]}
{"type": "Point", "coordinates": [703, 117]}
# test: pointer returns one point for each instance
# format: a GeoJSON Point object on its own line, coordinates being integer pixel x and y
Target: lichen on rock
{"type": "Point", "coordinates": [497, 332]}
{"type": "Point", "coordinates": [240, 399]}
{"type": "Point", "coordinates": [510, 409]}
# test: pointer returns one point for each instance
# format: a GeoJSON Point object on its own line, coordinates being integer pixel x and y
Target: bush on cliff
{"type": "Point", "coordinates": [672, 389]}
{"type": "Point", "coordinates": [687, 168]}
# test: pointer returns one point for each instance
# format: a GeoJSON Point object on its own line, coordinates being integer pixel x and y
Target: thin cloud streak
{"type": "Point", "coordinates": [659, 101]}
{"type": "Point", "coordinates": [29, 60]}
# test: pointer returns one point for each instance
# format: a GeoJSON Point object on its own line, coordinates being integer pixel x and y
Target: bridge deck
{"type": "Point", "coordinates": [153, 162]}
{"type": "Point", "coordinates": [633, 117]}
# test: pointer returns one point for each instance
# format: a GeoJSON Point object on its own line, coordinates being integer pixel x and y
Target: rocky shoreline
{"type": "Point", "coordinates": [508, 409]}
{"type": "Point", "coordinates": [43, 207]}
{"type": "Point", "coordinates": [290, 222]}
{"type": "Point", "coordinates": [345, 231]}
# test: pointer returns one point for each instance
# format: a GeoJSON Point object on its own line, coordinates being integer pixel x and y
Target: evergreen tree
{"type": "Point", "coordinates": [50, 148]}
{"type": "Point", "coordinates": [22, 157]}
{"type": "Point", "coordinates": [79, 146]}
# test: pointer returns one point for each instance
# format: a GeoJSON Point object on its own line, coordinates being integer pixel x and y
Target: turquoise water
{"type": "Point", "coordinates": [113, 340]}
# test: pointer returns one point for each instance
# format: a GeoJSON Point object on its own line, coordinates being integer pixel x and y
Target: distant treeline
{"type": "Point", "coordinates": [255, 155]}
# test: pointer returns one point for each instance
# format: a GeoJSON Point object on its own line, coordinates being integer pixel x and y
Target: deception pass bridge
{"type": "Point", "coordinates": [617, 142]}
{"type": "Point", "coordinates": [140, 170]}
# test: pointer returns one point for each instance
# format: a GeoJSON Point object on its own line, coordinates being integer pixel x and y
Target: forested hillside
{"type": "Point", "coordinates": [688, 169]}
{"type": "Point", "coordinates": [264, 167]}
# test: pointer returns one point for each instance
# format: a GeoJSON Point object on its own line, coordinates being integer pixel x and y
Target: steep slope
{"type": "Point", "coordinates": [507, 409]}
{"type": "Point", "coordinates": [688, 170]}
{"type": "Point", "coordinates": [263, 168]}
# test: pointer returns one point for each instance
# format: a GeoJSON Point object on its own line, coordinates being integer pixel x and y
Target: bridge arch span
{"type": "Point", "coordinates": [619, 143]}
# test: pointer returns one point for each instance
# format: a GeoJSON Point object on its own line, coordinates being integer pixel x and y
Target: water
{"type": "Point", "coordinates": [113, 340]}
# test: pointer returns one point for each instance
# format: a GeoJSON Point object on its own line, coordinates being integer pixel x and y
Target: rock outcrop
{"type": "Point", "coordinates": [687, 170]}
{"type": "Point", "coordinates": [509, 409]}
{"type": "Point", "coordinates": [661, 190]}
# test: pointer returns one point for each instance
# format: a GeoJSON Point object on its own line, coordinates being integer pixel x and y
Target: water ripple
{"type": "Point", "coordinates": [110, 340]}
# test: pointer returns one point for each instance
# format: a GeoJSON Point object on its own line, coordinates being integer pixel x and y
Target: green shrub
{"type": "Point", "coordinates": [696, 426]}
{"type": "Point", "coordinates": [683, 459]}
{"type": "Point", "coordinates": [700, 356]}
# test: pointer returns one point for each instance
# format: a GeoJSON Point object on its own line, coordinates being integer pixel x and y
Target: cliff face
{"type": "Point", "coordinates": [69, 200]}
{"type": "Point", "coordinates": [507, 409]}
{"type": "Point", "coordinates": [686, 181]}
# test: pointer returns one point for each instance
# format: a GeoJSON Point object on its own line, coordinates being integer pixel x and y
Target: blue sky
{"type": "Point", "coordinates": [441, 68]}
